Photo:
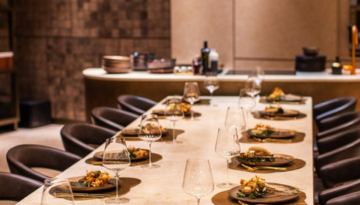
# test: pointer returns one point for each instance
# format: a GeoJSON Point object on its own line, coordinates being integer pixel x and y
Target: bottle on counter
{"type": "Point", "coordinates": [213, 61]}
{"type": "Point", "coordinates": [205, 58]}
{"type": "Point", "coordinates": [336, 66]}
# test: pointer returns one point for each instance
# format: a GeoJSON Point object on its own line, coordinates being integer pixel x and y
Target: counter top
{"type": "Point", "coordinates": [326, 76]}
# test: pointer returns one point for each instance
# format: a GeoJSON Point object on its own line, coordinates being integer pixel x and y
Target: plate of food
{"type": "Point", "coordinates": [259, 156]}
{"type": "Point", "coordinates": [92, 182]}
{"type": "Point", "coordinates": [278, 95]}
{"type": "Point", "coordinates": [132, 131]}
{"type": "Point", "coordinates": [136, 154]}
{"type": "Point", "coordinates": [279, 112]}
{"type": "Point", "coordinates": [257, 191]}
{"type": "Point", "coordinates": [184, 106]}
{"type": "Point", "coordinates": [266, 131]}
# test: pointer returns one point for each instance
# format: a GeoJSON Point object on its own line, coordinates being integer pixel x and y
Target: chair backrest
{"type": "Point", "coordinates": [338, 123]}
{"type": "Point", "coordinates": [112, 118]}
{"type": "Point", "coordinates": [22, 158]}
{"type": "Point", "coordinates": [338, 191]}
{"type": "Point", "coordinates": [135, 104]}
{"type": "Point", "coordinates": [333, 107]}
{"type": "Point", "coordinates": [82, 138]}
{"type": "Point", "coordinates": [15, 187]}
{"type": "Point", "coordinates": [338, 139]}
{"type": "Point", "coordinates": [345, 152]}
{"type": "Point", "coordinates": [348, 199]}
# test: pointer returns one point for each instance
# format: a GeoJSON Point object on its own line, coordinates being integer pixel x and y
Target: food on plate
{"type": "Point", "coordinates": [253, 188]}
{"type": "Point", "coordinates": [151, 128]}
{"type": "Point", "coordinates": [261, 130]}
{"type": "Point", "coordinates": [257, 154]}
{"type": "Point", "coordinates": [277, 109]}
{"type": "Point", "coordinates": [184, 106]}
{"type": "Point", "coordinates": [137, 152]}
{"type": "Point", "coordinates": [95, 179]}
{"type": "Point", "coordinates": [277, 94]}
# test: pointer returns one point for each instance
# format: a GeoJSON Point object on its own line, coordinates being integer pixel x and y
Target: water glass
{"type": "Point", "coordinates": [57, 191]}
{"type": "Point", "coordinates": [191, 94]}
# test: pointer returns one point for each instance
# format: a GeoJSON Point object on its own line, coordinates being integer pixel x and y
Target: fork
{"type": "Point", "coordinates": [272, 140]}
{"type": "Point", "coordinates": [263, 167]}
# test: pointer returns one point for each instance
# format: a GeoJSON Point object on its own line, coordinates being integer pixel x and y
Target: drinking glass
{"type": "Point", "coordinates": [254, 82]}
{"type": "Point", "coordinates": [247, 102]}
{"type": "Point", "coordinates": [57, 190]}
{"type": "Point", "coordinates": [211, 83]}
{"type": "Point", "coordinates": [227, 146]}
{"type": "Point", "coordinates": [116, 157]}
{"type": "Point", "coordinates": [191, 94]}
{"type": "Point", "coordinates": [235, 120]}
{"type": "Point", "coordinates": [149, 131]}
{"type": "Point", "coordinates": [198, 180]}
{"type": "Point", "coordinates": [174, 112]}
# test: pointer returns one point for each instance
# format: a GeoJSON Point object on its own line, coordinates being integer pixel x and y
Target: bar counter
{"type": "Point", "coordinates": [102, 89]}
{"type": "Point", "coordinates": [164, 185]}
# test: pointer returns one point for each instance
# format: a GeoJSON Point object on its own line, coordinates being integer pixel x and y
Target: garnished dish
{"type": "Point", "coordinates": [278, 111]}
{"type": "Point", "coordinates": [136, 154]}
{"type": "Point", "coordinates": [266, 131]}
{"type": "Point", "coordinates": [259, 156]}
{"type": "Point", "coordinates": [93, 181]}
{"type": "Point", "coordinates": [257, 190]}
{"type": "Point", "coordinates": [186, 107]}
{"type": "Point", "coordinates": [278, 95]}
{"type": "Point", "coordinates": [131, 131]}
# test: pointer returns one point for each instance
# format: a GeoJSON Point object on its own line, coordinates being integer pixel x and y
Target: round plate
{"type": "Point", "coordinates": [285, 193]}
{"type": "Point", "coordinates": [135, 132]}
{"type": "Point", "coordinates": [162, 112]}
{"type": "Point", "coordinates": [280, 159]}
{"type": "Point", "coordinates": [277, 133]}
{"type": "Point", "coordinates": [287, 113]}
{"type": "Point", "coordinates": [77, 187]}
{"type": "Point", "coordinates": [99, 156]}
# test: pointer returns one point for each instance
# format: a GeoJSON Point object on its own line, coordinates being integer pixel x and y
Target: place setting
{"type": "Point", "coordinates": [260, 160]}
{"type": "Point", "coordinates": [278, 113]}
{"type": "Point", "coordinates": [266, 133]}
{"type": "Point", "coordinates": [278, 96]}
{"type": "Point", "coordinates": [258, 191]}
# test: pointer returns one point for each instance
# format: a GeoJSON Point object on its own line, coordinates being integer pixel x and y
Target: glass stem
{"type": "Point", "coordinates": [192, 113]}
{"type": "Point", "coordinates": [198, 200]}
{"type": "Point", "coordinates": [117, 184]}
{"type": "Point", "coordinates": [150, 164]}
{"type": "Point", "coordinates": [174, 137]}
{"type": "Point", "coordinates": [227, 171]}
{"type": "Point", "coordinates": [211, 98]}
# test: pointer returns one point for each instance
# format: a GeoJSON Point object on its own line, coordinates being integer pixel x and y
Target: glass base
{"type": "Point", "coordinates": [114, 200]}
{"type": "Point", "coordinates": [226, 185]}
{"type": "Point", "coordinates": [153, 166]}
{"type": "Point", "coordinates": [174, 142]}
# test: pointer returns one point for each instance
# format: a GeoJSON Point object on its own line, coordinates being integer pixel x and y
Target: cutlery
{"type": "Point", "coordinates": [263, 167]}
{"type": "Point", "coordinates": [242, 203]}
{"type": "Point", "coordinates": [272, 140]}
{"type": "Point", "coordinates": [279, 118]}
{"type": "Point", "coordinates": [85, 195]}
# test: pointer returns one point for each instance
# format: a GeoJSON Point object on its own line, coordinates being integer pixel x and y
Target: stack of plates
{"type": "Point", "coordinates": [116, 64]}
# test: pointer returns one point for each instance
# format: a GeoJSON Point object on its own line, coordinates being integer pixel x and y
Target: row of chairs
{"type": "Point", "coordinates": [338, 147]}
{"type": "Point", "coordinates": [79, 139]}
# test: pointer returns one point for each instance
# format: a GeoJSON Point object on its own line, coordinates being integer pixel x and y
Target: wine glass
{"type": "Point", "coordinates": [191, 94]}
{"type": "Point", "coordinates": [149, 131]}
{"type": "Point", "coordinates": [174, 112]}
{"type": "Point", "coordinates": [235, 120]}
{"type": "Point", "coordinates": [56, 190]}
{"type": "Point", "coordinates": [116, 157]}
{"type": "Point", "coordinates": [254, 82]}
{"type": "Point", "coordinates": [211, 83]}
{"type": "Point", "coordinates": [198, 180]}
{"type": "Point", "coordinates": [227, 146]}
{"type": "Point", "coordinates": [247, 102]}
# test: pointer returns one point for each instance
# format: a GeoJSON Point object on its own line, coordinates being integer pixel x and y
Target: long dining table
{"type": "Point", "coordinates": [198, 136]}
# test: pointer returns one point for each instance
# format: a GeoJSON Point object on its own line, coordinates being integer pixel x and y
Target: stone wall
{"type": "Point", "coordinates": [55, 40]}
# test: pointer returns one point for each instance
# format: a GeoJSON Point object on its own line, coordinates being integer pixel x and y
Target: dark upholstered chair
{"type": "Point", "coordinates": [339, 123]}
{"type": "Point", "coordinates": [15, 187]}
{"type": "Point", "coordinates": [83, 138]}
{"type": "Point", "coordinates": [331, 108]}
{"type": "Point", "coordinates": [345, 171]}
{"type": "Point", "coordinates": [112, 118]}
{"type": "Point", "coordinates": [135, 104]}
{"type": "Point", "coordinates": [345, 152]}
{"type": "Point", "coordinates": [338, 139]}
{"type": "Point", "coordinates": [348, 199]}
{"type": "Point", "coordinates": [22, 158]}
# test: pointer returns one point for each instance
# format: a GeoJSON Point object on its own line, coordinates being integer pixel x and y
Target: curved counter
{"type": "Point", "coordinates": [102, 89]}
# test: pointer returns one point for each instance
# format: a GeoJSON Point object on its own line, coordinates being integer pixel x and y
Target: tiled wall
{"type": "Point", "coordinates": [55, 40]}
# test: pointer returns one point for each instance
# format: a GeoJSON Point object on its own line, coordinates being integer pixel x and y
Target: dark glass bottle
{"type": "Point", "coordinates": [205, 58]}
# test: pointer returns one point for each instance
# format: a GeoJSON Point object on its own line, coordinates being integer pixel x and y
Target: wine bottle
{"type": "Point", "coordinates": [205, 58]}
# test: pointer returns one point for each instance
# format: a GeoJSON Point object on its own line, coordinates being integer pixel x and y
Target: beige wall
{"type": "Point", "coordinates": [259, 32]}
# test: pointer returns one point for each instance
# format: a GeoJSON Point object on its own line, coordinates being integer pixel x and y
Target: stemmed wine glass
{"type": "Point", "coordinates": [227, 146]}
{"type": "Point", "coordinates": [116, 157]}
{"type": "Point", "coordinates": [56, 190]}
{"type": "Point", "coordinates": [150, 131]}
{"type": "Point", "coordinates": [254, 82]}
{"type": "Point", "coordinates": [235, 120]}
{"type": "Point", "coordinates": [211, 83]}
{"type": "Point", "coordinates": [191, 94]}
{"type": "Point", "coordinates": [198, 180]}
{"type": "Point", "coordinates": [247, 102]}
{"type": "Point", "coordinates": [174, 112]}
